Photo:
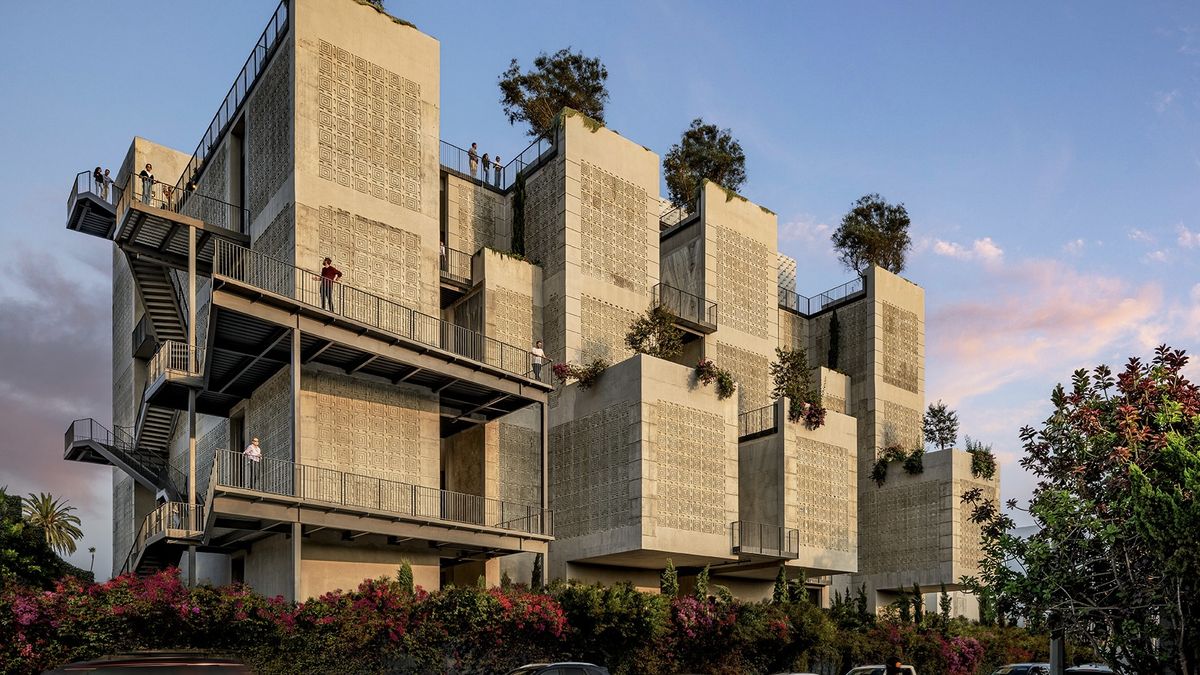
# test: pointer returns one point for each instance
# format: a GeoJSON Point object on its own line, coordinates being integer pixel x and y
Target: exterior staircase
{"type": "Point", "coordinates": [166, 306]}
{"type": "Point", "coordinates": [89, 441]}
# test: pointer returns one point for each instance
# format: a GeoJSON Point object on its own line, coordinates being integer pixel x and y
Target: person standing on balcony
{"type": "Point", "coordinates": [497, 166]}
{"type": "Point", "coordinates": [443, 264]}
{"type": "Point", "coordinates": [487, 164]}
{"type": "Point", "coordinates": [105, 184]}
{"type": "Point", "coordinates": [253, 454]}
{"type": "Point", "coordinates": [147, 175]}
{"type": "Point", "coordinates": [329, 276]}
{"type": "Point", "coordinates": [539, 358]}
{"type": "Point", "coordinates": [473, 159]}
{"type": "Point", "coordinates": [169, 196]}
{"type": "Point", "coordinates": [98, 181]}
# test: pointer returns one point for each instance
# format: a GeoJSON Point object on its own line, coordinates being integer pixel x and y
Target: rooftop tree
{"type": "Point", "coordinates": [704, 152]}
{"type": "Point", "coordinates": [941, 425]}
{"type": "Point", "coordinates": [565, 79]}
{"type": "Point", "coordinates": [1114, 562]}
{"type": "Point", "coordinates": [874, 232]}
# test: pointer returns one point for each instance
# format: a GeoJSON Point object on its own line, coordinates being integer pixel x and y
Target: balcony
{"type": "Point", "coordinates": [806, 306]}
{"type": "Point", "coordinates": [143, 342]}
{"type": "Point", "coordinates": [757, 423]}
{"type": "Point", "coordinates": [88, 441]}
{"type": "Point", "coordinates": [693, 313]}
{"type": "Point", "coordinates": [770, 541]}
{"type": "Point", "coordinates": [284, 491]}
{"type": "Point", "coordinates": [678, 215]}
{"type": "Point", "coordinates": [500, 178]}
{"type": "Point", "coordinates": [455, 267]}
{"type": "Point", "coordinates": [92, 206]}
{"type": "Point", "coordinates": [163, 536]}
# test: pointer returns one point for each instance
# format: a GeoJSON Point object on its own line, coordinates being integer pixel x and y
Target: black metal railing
{"type": "Point", "coordinates": [808, 306]}
{"type": "Point", "coordinates": [686, 306]}
{"type": "Point", "coordinates": [178, 358]}
{"type": "Point", "coordinates": [455, 265]}
{"type": "Point", "coordinates": [762, 539]}
{"type": "Point", "coordinates": [171, 519]}
{"type": "Point", "coordinates": [242, 265]}
{"type": "Point", "coordinates": [492, 173]}
{"type": "Point", "coordinates": [330, 486]}
{"type": "Point", "coordinates": [89, 430]}
{"type": "Point", "coordinates": [86, 183]}
{"type": "Point", "coordinates": [679, 213]}
{"type": "Point", "coordinates": [206, 208]}
{"type": "Point", "coordinates": [758, 422]}
{"type": "Point", "coordinates": [243, 84]}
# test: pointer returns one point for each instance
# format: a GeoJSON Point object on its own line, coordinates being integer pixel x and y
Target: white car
{"type": "Point", "coordinates": [879, 670]}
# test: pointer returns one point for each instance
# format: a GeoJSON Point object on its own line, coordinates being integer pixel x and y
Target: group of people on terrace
{"type": "Point", "coordinates": [102, 182]}
{"type": "Point", "coordinates": [491, 165]}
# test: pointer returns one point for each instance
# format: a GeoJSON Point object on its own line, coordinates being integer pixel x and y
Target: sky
{"type": "Point", "coordinates": [1047, 153]}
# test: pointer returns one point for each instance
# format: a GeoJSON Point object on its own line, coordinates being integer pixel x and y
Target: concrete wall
{"type": "Point", "coordinates": [367, 181]}
{"type": "Point", "coordinates": [475, 216]}
{"type": "Point", "coordinates": [327, 563]}
{"type": "Point", "coordinates": [741, 276]}
{"type": "Point", "coordinates": [269, 566]}
{"type": "Point", "coordinates": [645, 469]}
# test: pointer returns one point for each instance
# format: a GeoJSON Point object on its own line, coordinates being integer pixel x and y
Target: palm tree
{"type": "Point", "coordinates": [55, 519]}
{"type": "Point", "coordinates": [92, 566]}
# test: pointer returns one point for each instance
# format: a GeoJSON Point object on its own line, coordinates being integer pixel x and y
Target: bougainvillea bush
{"type": "Point", "coordinates": [386, 626]}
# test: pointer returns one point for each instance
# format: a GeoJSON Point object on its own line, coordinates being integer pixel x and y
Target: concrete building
{"type": "Point", "coordinates": [400, 412]}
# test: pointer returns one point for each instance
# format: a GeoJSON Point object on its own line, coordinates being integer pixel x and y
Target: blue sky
{"type": "Point", "coordinates": [1048, 153]}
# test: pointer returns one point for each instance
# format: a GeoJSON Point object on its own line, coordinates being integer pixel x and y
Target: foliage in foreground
{"type": "Point", "coordinates": [25, 554]}
{"type": "Point", "coordinates": [1115, 562]}
{"type": "Point", "coordinates": [383, 626]}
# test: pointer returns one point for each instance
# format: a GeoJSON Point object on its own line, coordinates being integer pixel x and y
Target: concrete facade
{"type": "Point", "coordinates": [412, 404]}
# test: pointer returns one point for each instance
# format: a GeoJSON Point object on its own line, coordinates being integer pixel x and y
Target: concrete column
{"type": "Point", "coordinates": [297, 544]}
{"type": "Point", "coordinates": [295, 370]}
{"type": "Point", "coordinates": [191, 518]}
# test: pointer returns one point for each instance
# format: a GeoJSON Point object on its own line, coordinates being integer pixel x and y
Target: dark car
{"type": "Point", "coordinates": [153, 662]}
{"type": "Point", "coordinates": [561, 668]}
{"type": "Point", "coordinates": [1023, 669]}
{"type": "Point", "coordinates": [1089, 669]}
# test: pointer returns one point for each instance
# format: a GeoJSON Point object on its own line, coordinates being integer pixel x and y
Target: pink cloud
{"type": "Point", "coordinates": [984, 250]}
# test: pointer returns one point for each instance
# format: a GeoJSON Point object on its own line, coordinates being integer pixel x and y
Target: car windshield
{"type": "Point", "coordinates": [869, 670]}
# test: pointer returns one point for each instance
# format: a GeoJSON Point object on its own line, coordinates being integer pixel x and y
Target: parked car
{"type": "Point", "coordinates": [879, 670]}
{"type": "Point", "coordinates": [1088, 669]}
{"type": "Point", "coordinates": [1023, 669]}
{"type": "Point", "coordinates": [561, 668]}
{"type": "Point", "coordinates": [157, 662]}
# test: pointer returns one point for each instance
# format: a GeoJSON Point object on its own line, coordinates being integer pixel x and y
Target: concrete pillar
{"type": "Point", "coordinates": [297, 544]}
{"type": "Point", "coordinates": [295, 370]}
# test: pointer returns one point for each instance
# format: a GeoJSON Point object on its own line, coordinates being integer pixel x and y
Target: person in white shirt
{"type": "Point", "coordinates": [253, 454]}
{"type": "Point", "coordinates": [539, 358]}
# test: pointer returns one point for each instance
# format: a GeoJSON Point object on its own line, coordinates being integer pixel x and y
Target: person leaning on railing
{"type": "Point", "coordinates": [147, 176]}
{"type": "Point", "coordinates": [253, 455]}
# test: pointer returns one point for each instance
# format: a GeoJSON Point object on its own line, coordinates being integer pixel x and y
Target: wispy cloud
{"type": "Point", "coordinates": [1074, 247]}
{"type": "Point", "coordinates": [984, 250]}
{"type": "Point", "coordinates": [808, 231]}
{"type": "Point", "coordinates": [1157, 256]}
{"type": "Point", "coordinates": [1187, 238]}
{"type": "Point", "coordinates": [1164, 99]}
{"type": "Point", "coordinates": [1141, 235]}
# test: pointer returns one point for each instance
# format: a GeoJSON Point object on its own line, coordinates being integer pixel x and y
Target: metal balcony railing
{"type": "Point", "coordinates": [245, 266]}
{"type": "Point", "coordinates": [171, 519]}
{"type": "Point", "coordinates": [330, 486]}
{"type": "Point", "coordinates": [758, 422]}
{"type": "Point", "coordinates": [686, 306]}
{"type": "Point", "coordinates": [789, 299]}
{"type": "Point", "coordinates": [210, 210]}
{"type": "Point", "coordinates": [762, 539]}
{"type": "Point", "coordinates": [243, 84]}
{"type": "Point", "coordinates": [500, 177]}
{"type": "Point", "coordinates": [455, 265]}
{"type": "Point", "coordinates": [175, 358]}
{"type": "Point", "coordinates": [678, 214]}
{"type": "Point", "coordinates": [86, 183]}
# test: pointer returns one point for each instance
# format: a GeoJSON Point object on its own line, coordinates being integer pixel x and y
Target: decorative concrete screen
{"type": "Point", "coordinates": [589, 471]}
{"type": "Point", "coordinates": [370, 128]}
{"type": "Point", "coordinates": [269, 132]}
{"type": "Point", "coordinates": [374, 256]}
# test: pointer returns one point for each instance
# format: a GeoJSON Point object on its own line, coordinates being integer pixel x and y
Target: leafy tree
{"type": "Point", "coordinates": [535, 577]}
{"type": "Point", "coordinates": [1114, 559]}
{"type": "Point", "coordinates": [918, 604]}
{"type": "Point", "coordinates": [873, 233]}
{"type": "Point", "coordinates": [654, 333]}
{"type": "Point", "coordinates": [941, 425]}
{"type": "Point", "coordinates": [704, 152]}
{"type": "Point", "coordinates": [668, 581]}
{"type": "Point", "coordinates": [983, 460]}
{"type": "Point", "coordinates": [944, 606]}
{"type": "Point", "coordinates": [405, 577]}
{"type": "Point", "coordinates": [565, 79]}
{"type": "Point", "coordinates": [25, 557]}
{"type": "Point", "coordinates": [904, 605]}
{"type": "Point", "coordinates": [835, 336]}
{"type": "Point", "coordinates": [702, 584]}
{"type": "Point", "coordinates": [779, 594]}
{"type": "Point", "coordinates": [791, 377]}
{"type": "Point", "coordinates": [54, 517]}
